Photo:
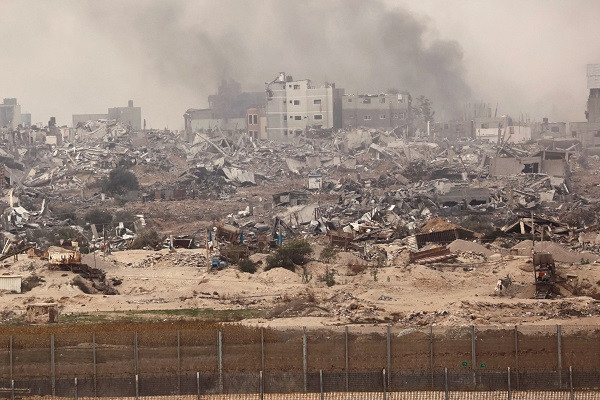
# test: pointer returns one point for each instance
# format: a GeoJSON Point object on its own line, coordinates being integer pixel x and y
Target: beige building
{"type": "Point", "coordinates": [293, 106]}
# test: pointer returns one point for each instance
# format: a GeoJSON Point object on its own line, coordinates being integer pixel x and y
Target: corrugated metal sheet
{"type": "Point", "coordinates": [11, 283]}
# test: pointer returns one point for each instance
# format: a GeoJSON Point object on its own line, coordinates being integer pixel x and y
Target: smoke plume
{"type": "Point", "coordinates": [359, 45]}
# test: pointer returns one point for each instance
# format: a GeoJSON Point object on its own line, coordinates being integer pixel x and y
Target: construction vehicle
{"type": "Point", "coordinates": [15, 252]}
{"type": "Point", "coordinates": [546, 278]}
{"type": "Point", "coordinates": [66, 259]}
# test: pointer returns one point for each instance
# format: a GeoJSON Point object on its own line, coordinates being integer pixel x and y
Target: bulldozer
{"type": "Point", "coordinates": [546, 277]}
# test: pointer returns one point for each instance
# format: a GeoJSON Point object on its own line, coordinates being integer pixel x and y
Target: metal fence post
{"type": "Point", "coordinates": [12, 389]}
{"type": "Point", "coordinates": [347, 356]}
{"type": "Point", "coordinates": [517, 355]}
{"type": "Point", "coordinates": [137, 386]}
{"type": "Point", "coordinates": [52, 369]}
{"type": "Point", "coordinates": [431, 356]}
{"type": "Point", "coordinates": [220, 359]}
{"type": "Point", "coordinates": [321, 383]}
{"type": "Point", "coordinates": [571, 382]}
{"type": "Point", "coordinates": [473, 356]}
{"type": "Point", "coordinates": [94, 364]}
{"type": "Point", "coordinates": [261, 385]}
{"type": "Point", "coordinates": [559, 353]}
{"type": "Point", "coordinates": [305, 358]}
{"type": "Point", "coordinates": [446, 392]}
{"type": "Point", "coordinates": [178, 362]}
{"type": "Point", "coordinates": [76, 392]}
{"type": "Point", "coordinates": [135, 352]}
{"type": "Point", "coordinates": [198, 385]}
{"type": "Point", "coordinates": [10, 351]}
{"type": "Point", "coordinates": [262, 349]}
{"type": "Point", "coordinates": [384, 387]}
{"type": "Point", "coordinates": [509, 388]}
{"type": "Point", "coordinates": [388, 346]}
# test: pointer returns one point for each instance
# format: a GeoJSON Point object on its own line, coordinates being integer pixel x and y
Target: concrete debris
{"type": "Point", "coordinates": [385, 197]}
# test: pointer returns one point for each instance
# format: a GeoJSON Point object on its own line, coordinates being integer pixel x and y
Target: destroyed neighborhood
{"type": "Point", "coordinates": [303, 203]}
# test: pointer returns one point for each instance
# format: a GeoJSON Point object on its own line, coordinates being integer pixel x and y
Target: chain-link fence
{"type": "Point", "coordinates": [322, 384]}
{"type": "Point", "coordinates": [429, 362]}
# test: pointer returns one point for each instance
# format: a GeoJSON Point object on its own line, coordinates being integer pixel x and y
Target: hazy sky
{"type": "Point", "coordinates": [64, 57]}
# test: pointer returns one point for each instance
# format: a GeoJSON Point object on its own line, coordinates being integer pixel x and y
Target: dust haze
{"type": "Point", "coordinates": [70, 57]}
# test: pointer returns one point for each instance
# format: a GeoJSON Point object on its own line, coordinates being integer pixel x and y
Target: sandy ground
{"type": "Point", "coordinates": [459, 293]}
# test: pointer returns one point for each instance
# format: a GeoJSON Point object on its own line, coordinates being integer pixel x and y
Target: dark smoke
{"type": "Point", "coordinates": [359, 45]}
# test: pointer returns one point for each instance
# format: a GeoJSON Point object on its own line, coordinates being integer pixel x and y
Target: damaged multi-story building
{"type": "Point", "coordinates": [129, 116]}
{"type": "Point", "coordinates": [382, 111]}
{"type": "Point", "coordinates": [227, 110]}
{"type": "Point", "coordinates": [549, 130]}
{"type": "Point", "coordinates": [477, 122]}
{"type": "Point", "coordinates": [10, 114]}
{"type": "Point", "coordinates": [294, 106]}
{"type": "Point", "coordinates": [588, 132]}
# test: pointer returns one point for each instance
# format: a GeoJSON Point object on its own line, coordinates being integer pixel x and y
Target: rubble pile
{"type": "Point", "coordinates": [391, 201]}
{"type": "Point", "coordinates": [171, 259]}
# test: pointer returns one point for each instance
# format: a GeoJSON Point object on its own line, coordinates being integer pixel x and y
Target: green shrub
{"type": "Point", "coordinates": [328, 277]}
{"type": "Point", "coordinates": [120, 181]}
{"type": "Point", "coordinates": [292, 253]}
{"type": "Point", "coordinates": [328, 254]}
{"type": "Point", "coordinates": [247, 265]}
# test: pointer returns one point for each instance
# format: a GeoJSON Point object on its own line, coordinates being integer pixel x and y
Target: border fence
{"type": "Point", "coordinates": [387, 362]}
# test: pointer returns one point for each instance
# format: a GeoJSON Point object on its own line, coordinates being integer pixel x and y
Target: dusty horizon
{"type": "Point", "coordinates": [68, 57]}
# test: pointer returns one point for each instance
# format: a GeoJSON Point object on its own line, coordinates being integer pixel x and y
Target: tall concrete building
{"type": "Point", "coordinates": [382, 111]}
{"type": "Point", "coordinates": [10, 113]}
{"type": "Point", "coordinates": [588, 132]}
{"type": "Point", "coordinates": [293, 106]}
{"type": "Point", "coordinates": [593, 104]}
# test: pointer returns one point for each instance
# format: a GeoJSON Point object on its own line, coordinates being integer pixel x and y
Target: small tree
{"type": "Point", "coordinates": [328, 277]}
{"type": "Point", "coordinates": [119, 181]}
{"type": "Point", "coordinates": [328, 254]}
{"type": "Point", "coordinates": [247, 265]}
{"type": "Point", "coordinates": [292, 253]}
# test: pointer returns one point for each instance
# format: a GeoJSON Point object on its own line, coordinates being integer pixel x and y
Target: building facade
{"type": "Point", "coordinates": [10, 114]}
{"type": "Point", "coordinates": [588, 133]}
{"type": "Point", "coordinates": [230, 102]}
{"type": "Point", "coordinates": [130, 115]}
{"type": "Point", "coordinates": [256, 123]}
{"type": "Point", "coordinates": [383, 111]}
{"type": "Point", "coordinates": [593, 82]}
{"type": "Point", "coordinates": [294, 106]}
{"type": "Point", "coordinates": [548, 130]}
{"type": "Point", "coordinates": [228, 110]}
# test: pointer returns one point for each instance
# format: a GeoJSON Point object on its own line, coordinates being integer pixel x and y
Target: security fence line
{"type": "Point", "coordinates": [414, 359]}
{"type": "Point", "coordinates": [367, 385]}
